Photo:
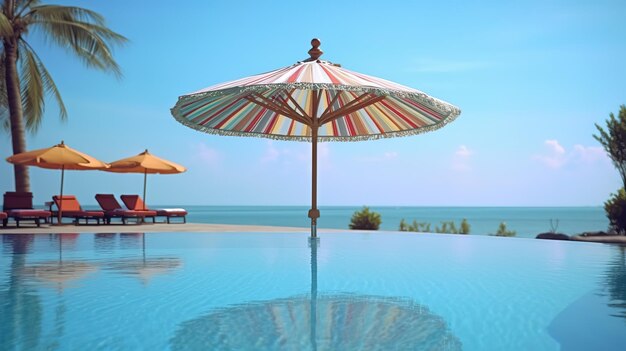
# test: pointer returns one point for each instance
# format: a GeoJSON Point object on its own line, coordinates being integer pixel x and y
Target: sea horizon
{"type": "Point", "coordinates": [527, 221]}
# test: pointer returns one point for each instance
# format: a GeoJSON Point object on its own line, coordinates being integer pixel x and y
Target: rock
{"type": "Point", "coordinates": [553, 236]}
{"type": "Point", "coordinates": [598, 233]}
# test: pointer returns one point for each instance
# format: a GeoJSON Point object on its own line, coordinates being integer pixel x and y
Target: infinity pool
{"type": "Point", "coordinates": [346, 291]}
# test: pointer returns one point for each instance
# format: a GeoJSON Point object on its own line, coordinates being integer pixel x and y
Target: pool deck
{"type": "Point", "coordinates": [29, 228]}
{"type": "Point", "coordinates": [607, 239]}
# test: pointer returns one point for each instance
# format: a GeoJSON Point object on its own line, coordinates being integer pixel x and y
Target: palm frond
{"type": "Point", "coordinates": [32, 90]}
{"type": "Point", "coordinates": [81, 31]}
{"type": "Point", "coordinates": [6, 29]}
{"type": "Point", "coordinates": [36, 83]}
{"type": "Point", "coordinates": [24, 5]}
{"type": "Point", "coordinates": [59, 12]}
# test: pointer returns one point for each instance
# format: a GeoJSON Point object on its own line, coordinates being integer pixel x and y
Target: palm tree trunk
{"type": "Point", "coordinates": [14, 97]}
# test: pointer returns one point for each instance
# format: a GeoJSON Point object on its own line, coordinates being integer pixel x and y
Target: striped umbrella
{"type": "Point", "coordinates": [313, 100]}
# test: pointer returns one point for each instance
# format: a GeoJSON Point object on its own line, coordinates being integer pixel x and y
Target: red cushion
{"type": "Point", "coordinates": [170, 213]}
{"type": "Point", "coordinates": [69, 203]}
{"type": "Point", "coordinates": [82, 214]}
{"type": "Point", "coordinates": [29, 213]}
{"type": "Point", "coordinates": [130, 213]}
{"type": "Point", "coordinates": [17, 200]}
{"type": "Point", "coordinates": [107, 202]}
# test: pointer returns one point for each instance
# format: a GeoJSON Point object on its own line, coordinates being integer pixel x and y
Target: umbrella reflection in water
{"type": "Point", "coordinates": [318, 322]}
{"type": "Point", "coordinates": [145, 268]}
{"type": "Point", "coordinates": [60, 272]}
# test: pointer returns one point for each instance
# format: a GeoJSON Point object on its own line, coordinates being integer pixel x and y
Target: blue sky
{"type": "Point", "coordinates": [531, 78]}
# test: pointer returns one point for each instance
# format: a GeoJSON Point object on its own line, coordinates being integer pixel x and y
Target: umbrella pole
{"type": "Point", "coordinates": [145, 178]}
{"type": "Point", "coordinates": [314, 213]}
{"type": "Point", "coordinates": [60, 211]}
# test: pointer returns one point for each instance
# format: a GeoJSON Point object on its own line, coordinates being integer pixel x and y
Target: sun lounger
{"type": "Point", "coordinates": [19, 206]}
{"type": "Point", "coordinates": [4, 218]}
{"type": "Point", "coordinates": [72, 209]}
{"type": "Point", "coordinates": [113, 209]}
{"type": "Point", "coordinates": [134, 202]}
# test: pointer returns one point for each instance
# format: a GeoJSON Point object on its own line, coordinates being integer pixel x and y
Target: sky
{"type": "Point", "coordinates": [530, 77]}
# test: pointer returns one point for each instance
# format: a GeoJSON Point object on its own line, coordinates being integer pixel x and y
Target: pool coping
{"type": "Point", "coordinates": [29, 228]}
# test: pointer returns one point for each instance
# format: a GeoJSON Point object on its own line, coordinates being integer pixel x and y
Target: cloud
{"type": "Point", "coordinates": [461, 159]}
{"type": "Point", "coordinates": [390, 155]}
{"type": "Point", "coordinates": [271, 153]}
{"type": "Point", "coordinates": [463, 152]}
{"type": "Point", "coordinates": [589, 154]}
{"type": "Point", "coordinates": [295, 153]}
{"type": "Point", "coordinates": [556, 156]}
{"type": "Point", "coordinates": [207, 154]}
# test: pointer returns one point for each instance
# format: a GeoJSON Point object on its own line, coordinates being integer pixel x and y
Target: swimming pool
{"type": "Point", "coordinates": [280, 291]}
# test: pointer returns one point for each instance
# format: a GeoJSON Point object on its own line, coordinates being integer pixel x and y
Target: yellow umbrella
{"type": "Point", "coordinates": [145, 163]}
{"type": "Point", "coordinates": [60, 157]}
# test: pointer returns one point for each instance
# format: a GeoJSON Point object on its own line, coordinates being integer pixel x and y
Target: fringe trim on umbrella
{"type": "Point", "coordinates": [451, 117]}
{"type": "Point", "coordinates": [432, 102]}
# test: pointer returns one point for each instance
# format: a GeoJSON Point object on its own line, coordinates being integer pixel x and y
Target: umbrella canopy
{"type": "Point", "coordinates": [60, 273]}
{"type": "Point", "coordinates": [145, 163]}
{"type": "Point", "coordinates": [318, 322]}
{"type": "Point", "coordinates": [61, 157]}
{"type": "Point", "coordinates": [313, 100]}
{"type": "Point", "coordinates": [146, 268]}
{"type": "Point", "coordinates": [345, 322]}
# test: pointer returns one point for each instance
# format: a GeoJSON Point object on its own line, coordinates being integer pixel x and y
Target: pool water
{"type": "Point", "coordinates": [283, 291]}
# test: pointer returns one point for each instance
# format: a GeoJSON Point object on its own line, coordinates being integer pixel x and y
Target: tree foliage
{"type": "Point", "coordinates": [26, 82]}
{"type": "Point", "coordinates": [365, 219]}
{"type": "Point", "coordinates": [613, 139]}
{"type": "Point", "coordinates": [615, 208]}
{"type": "Point", "coordinates": [504, 231]}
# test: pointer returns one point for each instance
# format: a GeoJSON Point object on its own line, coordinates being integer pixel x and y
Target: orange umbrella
{"type": "Point", "coordinates": [60, 157]}
{"type": "Point", "coordinates": [145, 163]}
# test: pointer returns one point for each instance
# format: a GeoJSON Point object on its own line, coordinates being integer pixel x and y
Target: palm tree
{"type": "Point", "coordinates": [80, 31]}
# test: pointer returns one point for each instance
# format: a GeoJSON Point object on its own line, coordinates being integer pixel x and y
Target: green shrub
{"type": "Point", "coordinates": [403, 226]}
{"type": "Point", "coordinates": [465, 227]}
{"type": "Point", "coordinates": [421, 227]}
{"type": "Point", "coordinates": [503, 231]}
{"type": "Point", "coordinates": [447, 228]}
{"type": "Point", "coordinates": [424, 227]}
{"type": "Point", "coordinates": [365, 219]}
{"type": "Point", "coordinates": [615, 209]}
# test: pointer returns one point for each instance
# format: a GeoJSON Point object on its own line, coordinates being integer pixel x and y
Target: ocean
{"type": "Point", "coordinates": [526, 221]}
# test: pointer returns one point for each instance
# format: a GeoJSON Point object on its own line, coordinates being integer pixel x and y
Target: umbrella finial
{"type": "Point", "coordinates": [315, 52]}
